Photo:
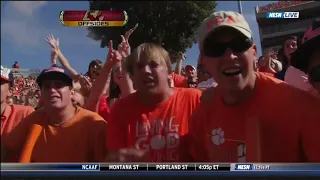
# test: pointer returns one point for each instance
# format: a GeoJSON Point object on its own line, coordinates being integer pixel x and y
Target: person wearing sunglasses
{"type": "Point", "coordinates": [249, 116]}
{"type": "Point", "coordinates": [307, 57]}
{"type": "Point", "coordinates": [60, 131]}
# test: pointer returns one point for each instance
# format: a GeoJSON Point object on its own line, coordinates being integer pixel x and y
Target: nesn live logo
{"type": "Point", "coordinates": [243, 166]}
{"type": "Point", "coordinates": [282, 15]}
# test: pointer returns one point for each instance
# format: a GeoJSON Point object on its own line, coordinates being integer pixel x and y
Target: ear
{"type": "Point", "coordinates": [254, 50]}
{"type": "Point", "coordinates": [170, 81]}
{"type": "Point", "coordinates": [72, 92]}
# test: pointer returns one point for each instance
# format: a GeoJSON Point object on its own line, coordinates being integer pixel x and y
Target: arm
{"type": "Point", "coordinates": [65, 63]}
{"type": "Point", "coordinates": [101, 84]}
{"type": "Point", "coordinates": [125, 50]}
{"type": "Point", "coordinates": [178, 68]}
{"type": "Point", "coordinates": [56, 53]}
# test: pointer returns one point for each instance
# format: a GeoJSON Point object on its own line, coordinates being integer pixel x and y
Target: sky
{"type": "Point", "coordinates": [25, 24]}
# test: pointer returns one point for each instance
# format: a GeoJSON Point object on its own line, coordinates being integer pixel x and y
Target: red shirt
{"type": "Point", "coordinates": [103, 109]}
{"type": "Point", "coordinates": [161, 129]}
{"type": "Point", "coordinates": [179, 81]}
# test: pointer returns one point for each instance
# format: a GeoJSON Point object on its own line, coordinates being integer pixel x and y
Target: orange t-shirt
{"type": "Point", "coordinates": [12, 116]}
{"type": "Point", "coordinates": [179, 81]}
{"type": "Point", "coordinates": [160, 129]}
{"type": "Point", "coordinates": [80, 139]}
{"type": "Point", "coordinates": [278, 124]}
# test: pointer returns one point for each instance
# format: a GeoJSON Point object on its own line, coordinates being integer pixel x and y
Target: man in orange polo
{"type": "Point", "coordinates": [11, 115]}
{"type": "Point", "coordinates": [60, 131]}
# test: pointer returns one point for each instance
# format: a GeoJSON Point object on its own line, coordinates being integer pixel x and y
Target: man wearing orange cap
{"type": "Point", "coordinates": [11, 115]}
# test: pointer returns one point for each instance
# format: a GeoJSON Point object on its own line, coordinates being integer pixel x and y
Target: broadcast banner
{"type": "Point", "coordinates": [93, 18]}
{"type": "Point", "coordinates": [161, 167]}
{"type": "Point", "coordinates": [114, 167]}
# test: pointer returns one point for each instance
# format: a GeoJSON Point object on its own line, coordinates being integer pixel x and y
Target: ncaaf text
{"type": "Point", "coordinates": [93, 23]}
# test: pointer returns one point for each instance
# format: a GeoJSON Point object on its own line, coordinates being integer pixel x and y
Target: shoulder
{"type": "Point", "coordinates": [89, 115]}
{"type": "Point", "coordinates": [287, 94]}
{"type": "Point", "coordinates": [34, 118]}
{"type": "Point", "coordinates": [125, 101]}
{"type": "Point", "coordinates": [188, 94]}
{"type": "Point", "coordinates": [177, 76]}
{"type": "Point", "coordinates": [188, 91]}
{"type": "Point", "coordinates": [26, 110]}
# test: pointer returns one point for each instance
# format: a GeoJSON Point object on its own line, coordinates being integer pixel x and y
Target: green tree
{"type": "Point", "coordinates": [172, 24]}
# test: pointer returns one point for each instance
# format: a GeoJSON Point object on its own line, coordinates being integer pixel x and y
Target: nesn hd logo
{"type": "Point", "coordinates": [282, 15]}
{"type": "Point", "coordinates": [243, 167]}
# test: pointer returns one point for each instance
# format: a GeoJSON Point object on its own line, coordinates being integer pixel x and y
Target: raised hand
{"type": "Point", "coordinates": [182, 56]}
{"type": "Point", "coordinates": [124, 47]}
{"type": "Point", "coordinates": [53, 42]}
{"type": "Point", "coordinates": [85, 85]}
{"type": "Point", "coordinates": [113, 56]}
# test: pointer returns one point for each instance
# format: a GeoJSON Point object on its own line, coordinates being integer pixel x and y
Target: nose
{"type": "Point", "coordinates": [229, 54]}
{"type": "Point", "coordinates": [146, 69]}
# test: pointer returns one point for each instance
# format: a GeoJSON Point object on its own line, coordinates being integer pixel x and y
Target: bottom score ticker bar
{"type": "Point", "coordinates": [165, 167]}
{"type": "Point", "coordinates": [113, 167]}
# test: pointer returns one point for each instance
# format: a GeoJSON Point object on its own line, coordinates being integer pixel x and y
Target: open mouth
{"type": "Point", "coordinates": [149, 82]}
{"type": "Point", "coordinates": [234, 71]}
{"type": "Point", "coordinates": [53, 98]}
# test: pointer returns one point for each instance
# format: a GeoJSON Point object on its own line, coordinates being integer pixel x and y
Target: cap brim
{"type": "Point", "coordinates": [300, 58]}
{"type": "Point", "coordinates": [240, 29]}
{"type": "Point", "coordinates": [54, 75]}
{"type": "Point", "coordinates": [190, 67]}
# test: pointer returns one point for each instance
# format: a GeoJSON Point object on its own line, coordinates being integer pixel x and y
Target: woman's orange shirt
{"type": "Point", "coordinates": [278, 124]}
{"type": "Point", "coordinates": [160, 129]}
{"type": "Point", "coordinates": [80, 139]}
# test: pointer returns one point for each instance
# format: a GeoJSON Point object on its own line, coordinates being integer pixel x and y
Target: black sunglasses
{"type": "Point", "coordinates": [314, 74]}
{"type": "Point", "coordinates": [237, 45]}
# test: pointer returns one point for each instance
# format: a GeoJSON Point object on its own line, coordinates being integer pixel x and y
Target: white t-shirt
{"type": "Point", "coordinates": [208, 83]}
{"type": "Point", "coordinates": [298, 79]}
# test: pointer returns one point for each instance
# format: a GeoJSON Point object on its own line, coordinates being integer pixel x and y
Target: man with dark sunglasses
{"type": "Point", "coordinates": [60, 131]}
{"type": "Point", "coordinates": [249, 116]}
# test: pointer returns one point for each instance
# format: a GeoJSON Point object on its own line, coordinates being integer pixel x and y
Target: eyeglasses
{"type": "Point", "coordinates": [314, 74]}
{"type": "Point", "coordinates": [214, 49]}
{"type": "Point", "coordinates": [53, 84]}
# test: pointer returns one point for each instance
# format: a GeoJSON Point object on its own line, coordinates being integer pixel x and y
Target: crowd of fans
{"type": "Point", "coordinates": [232, 107]}
{"type": "Point", "coordinates": [24, 91]}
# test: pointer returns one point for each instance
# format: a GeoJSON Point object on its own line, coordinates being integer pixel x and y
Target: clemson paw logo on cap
{"type": "Point", "coordinates": [217, 136]}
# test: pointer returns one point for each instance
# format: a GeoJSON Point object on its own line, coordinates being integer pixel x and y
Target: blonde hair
{"type": "Point", "coordinates": [148, 52]}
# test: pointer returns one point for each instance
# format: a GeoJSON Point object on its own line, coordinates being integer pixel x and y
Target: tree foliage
{"type": "Point", "coordinates": [172, 24]}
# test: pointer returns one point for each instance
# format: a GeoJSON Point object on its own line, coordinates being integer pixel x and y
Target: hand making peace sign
{"type": "Point", "coordinates": [124, 47]}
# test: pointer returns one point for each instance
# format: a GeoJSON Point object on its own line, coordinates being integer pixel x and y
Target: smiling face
{"type": "Point", "coordinates": [290, 46]}
{"type": "Point", "coordinates": [56, 94]}
{"type": "Point", "coordinates": [229, 57]}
